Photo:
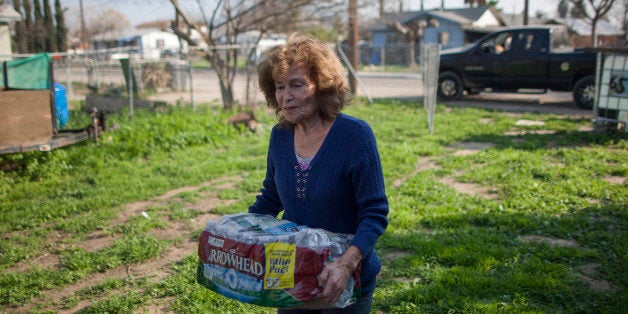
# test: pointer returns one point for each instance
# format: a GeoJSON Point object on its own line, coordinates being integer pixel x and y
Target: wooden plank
{"type": "Point", "coordinates": [63, 140]}
{"type": "Point", "coordinates": [25, 117]}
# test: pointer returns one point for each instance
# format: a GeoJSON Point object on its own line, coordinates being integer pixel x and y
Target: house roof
{"type": "Point", "coordinates": [472, 14]}
{"type": "Point", "coordinates": [462, 16]}
{"type": "Point", "coordinates": [583, 27]}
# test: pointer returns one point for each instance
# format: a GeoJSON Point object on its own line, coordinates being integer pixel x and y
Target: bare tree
{"type": "Point", "coordinates": [563, 8]}
{"type": "Point", "coordinates": [97, 20]}
{"type": "Point", "coordinates": [412, 34]}
{"type": "Point", "coordinates": [618, 15]}
{"type": "Point", "coordinates": [220, 30]}
{"type": "Point", "coordinates": [106, 20]}
{"type": "Point", "coordinates": [593, 11]}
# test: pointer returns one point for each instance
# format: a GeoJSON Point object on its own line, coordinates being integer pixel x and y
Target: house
{"type": "Point", "coordinates": [447, 27]}
{"type": "Point", "coordinates": [150, 43]}
{"type": "Point", "coordinates": [580, 32]}
{"type": "Point", "coordinates": [7, 16]}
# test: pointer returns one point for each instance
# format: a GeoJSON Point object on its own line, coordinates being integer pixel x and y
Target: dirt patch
{"type": "Point", "coordinates": [532, 132]}
{"type": "Point", "coordinates": [469, 148]}
{"type": "Point", "coordinates": [523, 122]}
{"type": "Point", "coordinates": [46, 261]}
{"type": "Point", "coordinates": [472, 189]}
{"type": "Point", "coordinates": [96, 241]}
{"type": "Point", "coordinates": [460, 149]}
{"type": "Point", "coordinates": [615, 179]}
{"type": "Point", "coordinates": [589, 272]}
{"type": "Point", "coordinates": [549, 241]}
{"type": "Point", "coordinates": [423, 164]}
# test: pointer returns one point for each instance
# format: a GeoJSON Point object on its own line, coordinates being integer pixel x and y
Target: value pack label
{"type": "Point", "coordinates": [280, 261]}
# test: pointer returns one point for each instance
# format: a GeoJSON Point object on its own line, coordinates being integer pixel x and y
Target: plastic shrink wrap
{"type": "Point", "coordinates": [265, 261]}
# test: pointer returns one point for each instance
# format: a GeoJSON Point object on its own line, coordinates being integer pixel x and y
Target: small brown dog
{"type": "Point", "coordinates": [246, 119]}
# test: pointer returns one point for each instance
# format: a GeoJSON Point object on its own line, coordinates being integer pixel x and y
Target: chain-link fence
{"type": "Point", "coordinates": [112, 79]}
{"type": "Point", "coordinates": [117, 79]}
{"type": "Point", "coordinates": [392, 56]}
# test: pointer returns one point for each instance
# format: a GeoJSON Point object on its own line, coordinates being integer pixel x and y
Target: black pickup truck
{"type": "Point", "coordinates": [528, 58]}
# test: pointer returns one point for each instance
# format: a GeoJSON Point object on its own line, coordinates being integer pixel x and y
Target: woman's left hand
{"type": "Point", "coordinates": [335, 276]}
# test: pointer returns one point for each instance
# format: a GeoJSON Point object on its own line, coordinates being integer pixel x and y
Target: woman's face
{"type": "Point", "coordinates": [295, 93]}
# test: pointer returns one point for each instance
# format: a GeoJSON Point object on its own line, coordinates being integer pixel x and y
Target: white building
{"type": "Point", "coordinates": [150, 43]}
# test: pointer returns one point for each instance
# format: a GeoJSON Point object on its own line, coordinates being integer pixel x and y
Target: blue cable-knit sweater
{"type": "Point", "coordinates": [342, 191]}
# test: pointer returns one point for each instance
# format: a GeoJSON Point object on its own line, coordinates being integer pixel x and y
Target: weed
{"type": "Point", "coordinates": [550, 239]}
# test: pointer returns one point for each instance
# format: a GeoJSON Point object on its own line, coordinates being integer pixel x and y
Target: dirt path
{"type": "Point", "coordinates": [155, 269]}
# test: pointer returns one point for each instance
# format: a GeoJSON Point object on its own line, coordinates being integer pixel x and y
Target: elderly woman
{"type": "Point", "coordinates": [323, 166]}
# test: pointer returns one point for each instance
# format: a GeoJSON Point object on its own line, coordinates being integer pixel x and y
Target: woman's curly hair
{"type": "Point", "coordinates": [321, 63]}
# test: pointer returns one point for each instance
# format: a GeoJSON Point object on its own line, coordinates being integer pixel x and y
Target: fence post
{"type": "Point", "coordinates": [383, 61]}
{"type": "Point", "coordinates": [130, 85]}
{"type": "Point", "coordinates": [430, 62]}
{"type": "Point", "coordinates": [68, 77]}
{"type": "Point", "coordinates": [353, 72]}
{"type": "Point", "coordinates": [191, 84]}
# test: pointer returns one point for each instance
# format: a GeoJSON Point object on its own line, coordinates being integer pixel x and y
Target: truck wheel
{"type": "Point", "coordinates": [449, 86]}
{"type": "Point", "coordinates": [584, 92]}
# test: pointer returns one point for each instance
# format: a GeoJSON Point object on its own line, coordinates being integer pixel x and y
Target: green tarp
{"type": "Point", "coordinates": [28, 73]}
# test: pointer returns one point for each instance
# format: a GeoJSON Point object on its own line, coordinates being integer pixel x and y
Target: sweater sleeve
{"type": "Point", "coordinates": [368, 185]}
{"type": "Point", "coordinates": [268, 201]}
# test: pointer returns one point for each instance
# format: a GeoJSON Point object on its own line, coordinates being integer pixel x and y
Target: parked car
{"type": "Point", "coordinates": [517, 59]}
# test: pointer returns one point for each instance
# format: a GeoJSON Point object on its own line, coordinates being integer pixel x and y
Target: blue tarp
{"type": "Point", "coordinates": [61, 105]}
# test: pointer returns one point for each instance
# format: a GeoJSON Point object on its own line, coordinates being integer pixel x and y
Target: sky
{"type": "Point", "coordinates": [139, 11]}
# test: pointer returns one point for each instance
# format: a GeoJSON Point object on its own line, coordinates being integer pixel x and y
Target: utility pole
{"type": "Point", "coordinates": [83, 31]}
{"type": "Point", "coordinates": [525, 12]}
{"type": "Point", "coordinates": [381, 8]}
{"type": "Point", "coordinates": [353, 43]}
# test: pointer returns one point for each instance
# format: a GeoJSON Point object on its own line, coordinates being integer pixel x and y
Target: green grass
{"type": "Point", "coordinates": [445, 251]}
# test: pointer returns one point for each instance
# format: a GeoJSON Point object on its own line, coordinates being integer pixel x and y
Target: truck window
{"type": "Point", "coordinates": [534, 43]}
{"type": "Point", "coordinates": [560, 39]}
{"type": "Point", "coordinates": [498, 44]}
{"type": "Point", "coordinates": [527, 42]}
